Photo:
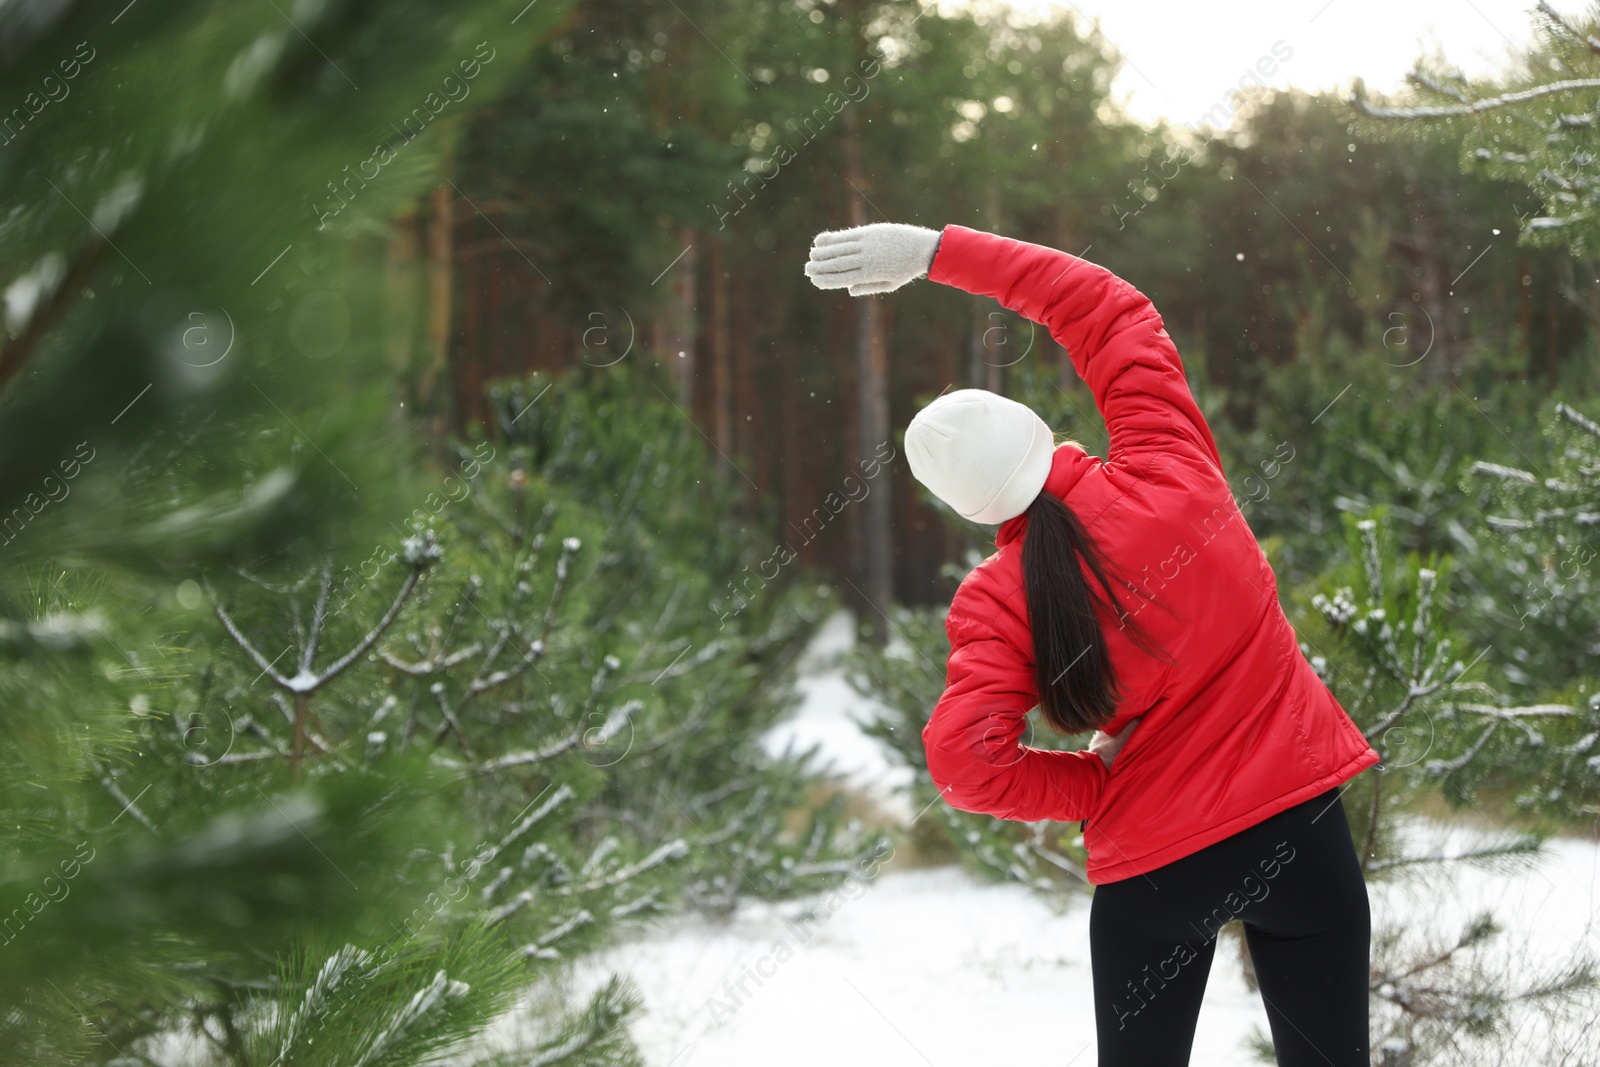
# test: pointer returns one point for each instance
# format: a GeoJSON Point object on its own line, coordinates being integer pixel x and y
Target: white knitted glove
{"type": "Point", "coordinates": [877, 258]}
{"type": "Point", "coordinates": [1106, 747]}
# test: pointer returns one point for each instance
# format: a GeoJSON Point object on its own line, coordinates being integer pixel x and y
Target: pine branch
{"type": "Point", "coordinates": [1413, 692]}
{"type": "Point", "coordinates": [644, 902]}
{"type": "Point", "coordinates": [1442, 767]}
{"type": "Point", "coordinates": [562, 794]}
{"type": "Point", "coordinates": [314, 1003]}
{"type": "Point", "coordinates": [431, 999]}
{"type": "Point", "coordinates": [672, 850]}
{"type": "Point", "coordinates": [690, 725]}
{"type": "Point", "coordinates": [1480, 927]}
{"type": "Point", "coordinates": [388, 704]}
{"type": "Point", "coordinates": [449, 724]}
{"type": "Point", "coordinates": [1055, 859]}
{"type": "Point", "coordinates": [319, 615]}
{"type": "Point", "coordinates": [18, 350]}
{"type": "Point", "coordinates": [1477, 107]}
{"type": "Point", "coordinates": [228, 759]}
{"type": "Point", "coordinates": [542, 950]}
{"type": "Point", "coordinates": [1592, 42]}
{"type": "Point", "coordinates": [421, 559]}
{"type": "Point", "coordinates": [528, 757]}
{"type": "Point", "coordinates": [596, 1032]}
{"type": "Point", "coordinates": [241, 640]}
{"type": "Point", "coordinates": [676, 849]}
{"type": "Point", "coordinates": [433, 664]}
{"type": "Point", "coordinates": [262, 583]}
{"type": "Point", "coordinates": [303, 724]}
{"type": "Point", "coordinates": [712, 650]}
{"type": "Point", "coordinates": [1529, 711]}
{"type": "Point", "coordinates": [110, 786]}
{"type": "Point", "coordinates": [1579, 419]}
{"type": "Point", "coordinates": [1373, 811]}
{"type": "Point", "coordinates": [299, 633]}
{"type": "Point", "coordinates": [1432, 84]}
{"type": "Point", "coordinates": [1524, 847]}
{"type": "Point", "coordinates": [482, 683]}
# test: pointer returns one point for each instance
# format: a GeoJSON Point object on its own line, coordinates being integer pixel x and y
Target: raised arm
{"type": "Point", "coordinates": [1111, 330]}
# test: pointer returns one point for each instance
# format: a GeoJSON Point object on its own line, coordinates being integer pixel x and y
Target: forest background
{"type": "Point", "coordinates": [423, 462]}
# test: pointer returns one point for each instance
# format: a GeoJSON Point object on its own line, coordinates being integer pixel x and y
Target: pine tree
{"type": "Point", "coordinates": [189, 192]}
{"type": "Point", "coordinates": [1536, 127]}
{"type": "Point", "coordinates": [314, 751]}
{"type": "Point", "coordinates": [1545, 531]}
{"type": "Point", "coordinates": [1388, 650]}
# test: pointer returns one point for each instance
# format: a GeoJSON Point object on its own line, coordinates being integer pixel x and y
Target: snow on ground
{"type": "Point", "coordinates": [922, 967]}
{"type": "Point", "coordinates": [933, 967]}
{"type": "Point", "coordinates": [1546, 911]}
{"type": "Point", "coordinates": [829, 716]}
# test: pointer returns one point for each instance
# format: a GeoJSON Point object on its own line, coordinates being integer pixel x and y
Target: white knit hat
{"type": "Point", "coordinates": [981, 453]}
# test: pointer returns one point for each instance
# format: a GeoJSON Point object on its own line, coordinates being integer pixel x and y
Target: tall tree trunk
{"type": "Point", "coordinates": [1524, 305]}
{"type": "Point", "coordinates": [1552, 335]}
{"type": "Point", "coordinates": [977, 376]}
{"type": "Point", "coordinates": [405, 298]}
{"type": "Point", "coordinates": [717, 345]}
{"type": "Point", "coordinates": [872, 407]}
{"type": "Point", "coordinates": [748, 417]}
{"type": "Point", "coordinates": [441, 280]}
{"type": "Point", "coordinates": [1440, 360]}
{"type": "Point", "coordinates": [683, 330]}
{"type": "Point", "coordinates": [494, 355]}
{"type": "Point", "coordinates": [792, 473]}
{"type": "Point", "coordinates": [297, 744]}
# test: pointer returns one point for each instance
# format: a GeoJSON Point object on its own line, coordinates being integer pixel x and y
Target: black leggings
{"type": "Point", "coordinates": [1296, 884]}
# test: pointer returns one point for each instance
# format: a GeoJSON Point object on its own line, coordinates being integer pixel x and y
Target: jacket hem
{"type": "Point", "coordinates": [1133, 867]}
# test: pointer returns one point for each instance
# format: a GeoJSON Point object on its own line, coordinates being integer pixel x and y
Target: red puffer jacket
{"type": "Point", "coordinates": [1235, 725]}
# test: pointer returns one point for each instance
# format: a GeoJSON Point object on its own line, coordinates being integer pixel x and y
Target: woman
{"type": "Point", "coordinates": [1130, 591]}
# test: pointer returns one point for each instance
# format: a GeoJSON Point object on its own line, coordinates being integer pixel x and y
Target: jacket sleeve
{"type": "Point", "coordinates": [1111, 330]}
{"type": "Point", "coordinates": [972, 738]}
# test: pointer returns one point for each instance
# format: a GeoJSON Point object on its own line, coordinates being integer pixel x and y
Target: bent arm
{"type": "Point", "coordinates": [972, 738]}
{"type": "Point", "coordinates": [1116, 339]}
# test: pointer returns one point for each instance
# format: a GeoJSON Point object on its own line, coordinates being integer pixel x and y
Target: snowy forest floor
{"type": "Point", "coordinates": [932, 966]}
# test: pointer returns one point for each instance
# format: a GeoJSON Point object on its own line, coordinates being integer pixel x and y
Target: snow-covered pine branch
{"type": "Point", "coordinates": [644, 902]}
{"type": "Point", "coordinates": [233, 631]}
{"type": "Point", "coordinates": [1439, 768]}
{"type": "Point", "coordinates": [527, 757]}
{"type": "Point", "coordinates": [1525, 846]}
{"type": "Point", "coordinates": [1563, 24]}
{"type": "Point", "coordinates": [431, 665]}
{"type": "Point", "coordinates": [1524, 712]}
{"type": "Point", "coordinates": [420, 554]}
{"type": "Point", "coordinates": [543, 947]}
{"type": "Point", "coordinates": [314, 1002]}
{"type": "Point", "coordinates": [1476, 107]}
{"type": "Point", "coordinates": [589, 1035]}
{"type": "Point", "coordinates": [110, 785]}
{"type": "Point", "coordinates": [675, 849]}
{"type": "Point", "coordinates": [433, 998]}
{"type": "Point", "coordinates": [1579, 419]}
{"type": "Point", "coordinates": [319, 616]}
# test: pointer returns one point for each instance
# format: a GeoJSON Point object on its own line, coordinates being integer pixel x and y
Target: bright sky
{"type": "Point", "coordinates": [1182, 56]}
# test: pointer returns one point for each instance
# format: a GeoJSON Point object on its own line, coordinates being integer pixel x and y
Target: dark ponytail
{"type": "Point", "coordinates": [1077, 687]}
